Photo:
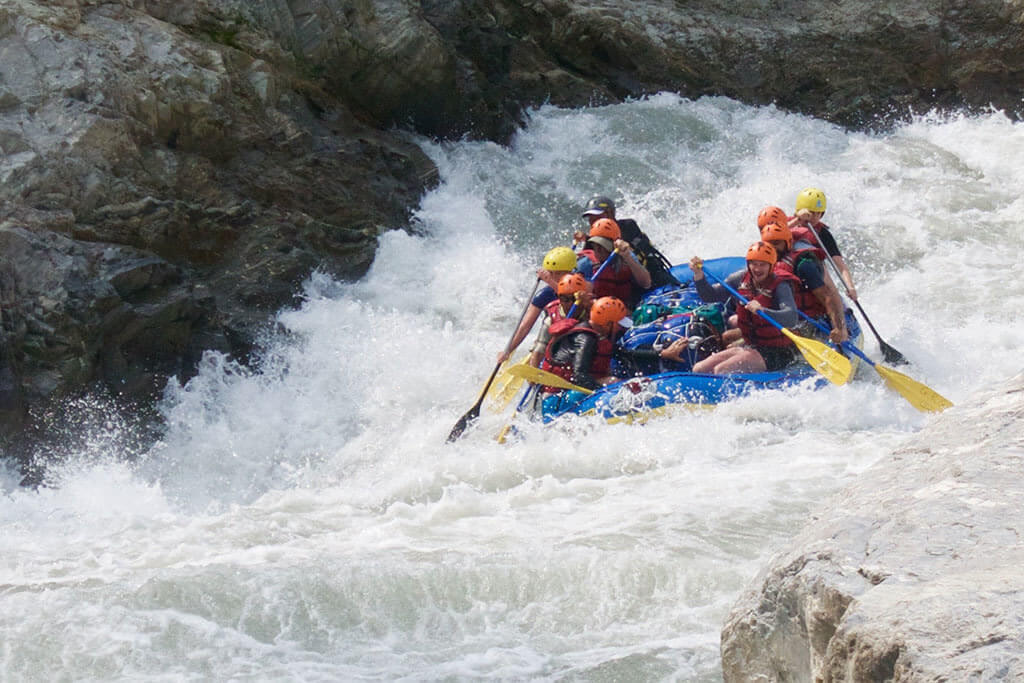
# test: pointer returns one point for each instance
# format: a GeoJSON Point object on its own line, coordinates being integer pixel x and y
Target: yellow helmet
{"type": "Point", "coordinates": [811, 199]}
{"type": "Point", "coordinates": [559, 258]}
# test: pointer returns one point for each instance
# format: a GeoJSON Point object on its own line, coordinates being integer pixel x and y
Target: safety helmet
{"type": "Point", "coordinates": [772, 214]}
{"type": "Point", "coordinates": [599, 205]}
{"type": "Point", "coordinates": [571, 283]}
{"type": "Point", "coordinates": [607, 228]}
{"type": "Point", "coordinates": [775, 231]}
{"type": "Point", "coordinates": [607, 310]}
{"type": "Point", "coordinates": [812, 199]}
{"type": "Point", "coordinates": [762, 251]}
{"type": "Point", "coordinates": [559, 258]}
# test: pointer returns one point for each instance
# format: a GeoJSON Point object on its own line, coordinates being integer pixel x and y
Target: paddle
{"type": "Point", "coordinates": [530, 391]}
{"type": "Point", "coordinates": [918, 395]}
{"type": "Point", "coordinates": [474, 412]}
{"type": "Point", "coordinates": [888, 352]}
{"type": "Point", "coordinates": [538, 376]}
{"type": "Point", "coordinates": [513, 370]}
{"type": "Point", "coordinates": [506, 386]}
{"type": "Point", "coordinates": [834, 366]}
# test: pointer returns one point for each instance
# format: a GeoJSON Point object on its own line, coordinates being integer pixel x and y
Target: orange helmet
{"type": "Point", "coordinates": [762, 251]}
{"type": "Point", "coordinates": [772, 214]}
{"type": "Point", "coordinates": [607, 310]}
{"type": "Point", "coordinates": [571, 283]}
{"type": "Point", "coordinates": [775, 231]}
{"type": "Point", "coordinates": [607, 228]}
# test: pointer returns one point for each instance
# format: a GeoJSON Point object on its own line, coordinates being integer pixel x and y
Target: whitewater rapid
{"type": "Point", "coordinates": [305, 520]}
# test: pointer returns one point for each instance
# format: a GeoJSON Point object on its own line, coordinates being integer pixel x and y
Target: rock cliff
{"type": "Point", "coordinates": [910, 574]}
{"type": "Point", "coordinates": [171, 171]}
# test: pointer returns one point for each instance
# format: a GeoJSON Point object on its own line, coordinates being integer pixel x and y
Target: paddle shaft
{"type": "Point", "coordinates": [891, 354]}
{"type": "Point", "coordinates": [919, 395]}
{"type": "Point", "coordinates": [474, 412]}
{"type": "Point", "coordinates": [742, 299]}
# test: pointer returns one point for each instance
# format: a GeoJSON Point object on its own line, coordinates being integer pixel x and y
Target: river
{"type": "Point", "coordinates": [306, 521]}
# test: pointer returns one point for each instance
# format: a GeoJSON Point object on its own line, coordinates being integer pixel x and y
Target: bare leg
{"type": "Point", "coordinates": [711, 363]}
{"type": "Point", "coordinates": [747, 360]}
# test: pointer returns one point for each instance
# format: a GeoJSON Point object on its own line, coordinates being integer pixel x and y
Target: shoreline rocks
{"type": "Point", "coordinates": [912, 573]}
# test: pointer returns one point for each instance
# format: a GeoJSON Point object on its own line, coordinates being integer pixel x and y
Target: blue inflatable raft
{"type": "Point", "coordinates": [664, 315]}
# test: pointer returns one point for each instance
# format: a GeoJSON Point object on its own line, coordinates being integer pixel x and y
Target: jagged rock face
{"type": "Point", "coordinates": [165, 192]}
{"type": "Point", "coordinates": [231, 146]}
{"type": "Point", "coordinates": [911, 574]}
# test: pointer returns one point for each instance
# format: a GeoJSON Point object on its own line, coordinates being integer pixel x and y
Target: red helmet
{"type": "Point", "coordinates": [571, 283]}
{"type": "Point", "coordinates": [762, 251]}
{"type": "Point", "coordinates": [607, 228]}
{"type": "Point", "coordinates": [772, 214]}
{"type": "Point", "coordinates": [607, 310]}
{"type": "Point", "coordinates": [775, 231]}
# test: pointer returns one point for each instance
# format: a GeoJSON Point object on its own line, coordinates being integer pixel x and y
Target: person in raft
{"type": "Point", "coordinates": [625, 278]}
{"type": "Point", "coordinates": [557, 262]}
{"type": "Point", "coordinates": [573, 297]}
{"type": "Point", "coordinates": [810, 208]}
{"type": "Point", "coordinates": [653, 260]}
{"type": "Point", "coordinates": [764, 346]}
{"type": "Point", "coordinates": [816, 296]}
{"type": "Point", "coordinates": [582, 354]}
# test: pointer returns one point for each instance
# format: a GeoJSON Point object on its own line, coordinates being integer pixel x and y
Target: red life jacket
{"type": "Point", "coordinates": [805, 299]}
{"type": "Point", "coordinates": [599, 367]}
{"type": "Point", "coordinates": [756, 330]}
{"type": "Point", "coordinates": [615, 280]}
{"type": "Point", "coordinates": [554, 311]}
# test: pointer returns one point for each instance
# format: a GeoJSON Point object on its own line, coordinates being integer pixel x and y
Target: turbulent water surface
{"type": "Point", "coordinates": [308, 521]}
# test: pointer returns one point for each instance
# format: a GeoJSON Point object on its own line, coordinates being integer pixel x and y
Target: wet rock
{"type": "Point", "coordinates": [912, 573]}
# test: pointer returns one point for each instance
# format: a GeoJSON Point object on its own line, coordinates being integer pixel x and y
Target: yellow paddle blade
{"type": "Point", "coordinates": [505, 387]}
{"type": "Point", "coordinates": [538, 376]}
{"type": "Point", "coordinates": [920, 396]}
{"type": "Point", "coordinates": [834, 366]}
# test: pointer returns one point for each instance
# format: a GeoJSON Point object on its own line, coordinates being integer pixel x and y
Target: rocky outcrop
{"type": "Point", "coordinates": [173, 170]}
{"type": "Point", "coordinates": [910, 574]}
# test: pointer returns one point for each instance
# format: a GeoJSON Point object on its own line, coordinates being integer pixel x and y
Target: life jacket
{"type": "Point", "coordinates": [756, 330]}
{"type": "Point", "coordinates": [554, 311]}
{"type": "Point", "coordinates": [615, 280]}
{"type": "Point", "coordinates": [599, 367]}
{"type": "Point", "coordinates": [805, 299]}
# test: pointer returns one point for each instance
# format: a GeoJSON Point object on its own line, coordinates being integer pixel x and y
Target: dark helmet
{"type": "Point", "coordinates": [599, 205]}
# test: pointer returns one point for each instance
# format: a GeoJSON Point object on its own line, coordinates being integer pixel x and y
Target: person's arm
{"type": "Point", "coordinates": [784, 312]}
{"type": "Point", "coordinates": [636, 269]}
{"type": "Point", "coordinates": [828, 243]}
{"type": "Point", "coordinates": [532, 313]}
{"type": "Point", "coordinates": [812, 273]}
{"type": "Point", "coordinates": [844, 272]}
{"type": "Point", "coordinates": [708, 292]}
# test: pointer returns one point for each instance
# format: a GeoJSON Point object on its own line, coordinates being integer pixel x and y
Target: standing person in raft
{"type": "Point", "coordinates": [810, 207]}
{"type": "Point", "coordinates": [582, 354]}
{"type": "Point", "coordinates": [764, 347]}
{"type": "Point", "coordinates": [653, 260]}
{"type": "Point", "coordinates": [558, 262]}
{"type": "Point", "coordinates": [625, 277]}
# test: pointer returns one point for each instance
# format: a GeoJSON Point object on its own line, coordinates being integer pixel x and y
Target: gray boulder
{"type": "Point", "coordinates": [910, 574]}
